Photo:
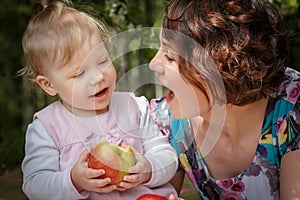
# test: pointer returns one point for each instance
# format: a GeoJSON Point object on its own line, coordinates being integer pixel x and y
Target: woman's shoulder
{"type": "Point", "coordinates": [287, 97]}
{"type": "Point", "coordinates": [289, 89]}
{"type": "Point", "coordinates": [284, 113]}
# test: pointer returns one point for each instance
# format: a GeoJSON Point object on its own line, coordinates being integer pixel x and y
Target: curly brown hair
{"type": "Point", "coordinates": [243, 39]}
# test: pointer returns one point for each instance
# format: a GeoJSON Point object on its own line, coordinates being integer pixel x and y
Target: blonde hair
{"type": "Point", "coordinates": [57, 32]}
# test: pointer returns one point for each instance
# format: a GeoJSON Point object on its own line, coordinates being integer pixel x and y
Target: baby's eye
{"type": "Point", "coordinates": [78, 74]}
{"type": "Point", "coordinates": [103, 61]}
{"type": "Point", "coordinates": [169, 58]}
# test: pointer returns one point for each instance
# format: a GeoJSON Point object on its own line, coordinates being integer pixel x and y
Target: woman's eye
{"type": "Point", "coordinates": [169, 58]}
{"type": "Point", "coordinates": [78, 74]}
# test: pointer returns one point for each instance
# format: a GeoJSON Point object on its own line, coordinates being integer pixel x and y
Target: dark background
{"type": "Point", "coordinates": [18, 101]}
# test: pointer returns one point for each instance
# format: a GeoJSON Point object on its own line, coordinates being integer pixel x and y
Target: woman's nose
{"type": "Point", "coordinates": [156, 65]}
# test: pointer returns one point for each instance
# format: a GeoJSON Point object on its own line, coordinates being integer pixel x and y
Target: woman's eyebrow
{"type": "Point", "coordinates": [164, 43]}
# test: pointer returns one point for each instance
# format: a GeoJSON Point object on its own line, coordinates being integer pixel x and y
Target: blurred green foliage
{"type": "Point", "coordinates": [18, 101]}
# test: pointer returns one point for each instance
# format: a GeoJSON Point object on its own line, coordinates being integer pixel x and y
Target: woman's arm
{"type": "Point", "coordinates": [290, 176]}
{"type": "Point", "coordinates": [177, 180]}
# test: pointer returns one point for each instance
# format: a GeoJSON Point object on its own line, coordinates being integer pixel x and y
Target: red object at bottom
{"type": "Point", "coordinates": [151, 197]}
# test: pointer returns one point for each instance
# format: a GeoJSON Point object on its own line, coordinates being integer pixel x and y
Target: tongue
{"type": "Point", "coordinates": [169, 96]}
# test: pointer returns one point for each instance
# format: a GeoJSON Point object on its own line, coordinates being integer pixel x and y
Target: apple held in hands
{"type": "Point", "coordinates": [151, 197]}
{"type": "Point", "coordinates": [114, 159]}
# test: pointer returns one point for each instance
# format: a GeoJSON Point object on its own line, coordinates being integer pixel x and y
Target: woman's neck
{"type": "Point", "coordinates": [240, 117]}
{"type": "Point", "coordinates": [230, 122]}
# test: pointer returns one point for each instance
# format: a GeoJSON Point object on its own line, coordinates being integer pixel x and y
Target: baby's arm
{"type": "Point", "coordinates": [157, 149]}
{"type": "Point", "coordinates": [42, 178]}
{"type": "Point", "coordinates": [41, 172]}
{"type": "Point", "coordinates": [162, 157]}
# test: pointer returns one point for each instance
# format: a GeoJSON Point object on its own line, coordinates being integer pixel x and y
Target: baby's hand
{"type": "Point", "coordinates": [85, 178]}
{"type": "Point", "coordinates": [173, 197]}
{"type": "Point", "coordinates": [140, 173]}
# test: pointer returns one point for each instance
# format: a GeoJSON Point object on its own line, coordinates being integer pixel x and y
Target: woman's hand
{"type": "Point", "coordinates": [140, 173]}
{"type": "Point", "coordinates": [85, 178]}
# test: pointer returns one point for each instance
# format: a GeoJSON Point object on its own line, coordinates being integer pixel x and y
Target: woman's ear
{"type": "Point", "coordinates": [46, 85]}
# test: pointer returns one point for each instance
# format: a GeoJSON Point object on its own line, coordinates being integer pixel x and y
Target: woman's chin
{"type": "Point", "coordinates": [180, 111]}
{"type": "Point", "coordinates": [175, 110]}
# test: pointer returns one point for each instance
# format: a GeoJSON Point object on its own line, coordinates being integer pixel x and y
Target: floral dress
{"type": "Point", "coordinates": [279, 135]}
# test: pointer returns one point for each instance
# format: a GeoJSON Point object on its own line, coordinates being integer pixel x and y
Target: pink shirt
{"type": "Point", "coordinates": [56, 138]}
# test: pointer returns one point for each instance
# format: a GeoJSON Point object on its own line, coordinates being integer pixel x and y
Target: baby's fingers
{"type": "Point", "coordinates": [130, 181]}
{"type": "Point", "coordinates": [126, 185]}
{"type": "Point", "coordinates": [173, 197]}
{"type": "Point", "coordinates": [132, 178]}
{"type": "Point", "coordinates": [94, 173]}
{"type": "Point", "coordinates": [142, 164]}
{"type": "Point", "coordinates": [83, 156]}
{"type": "Point", "coordinates": [100, 185]}
{"type": "Point", "coordinates": [106, 189]}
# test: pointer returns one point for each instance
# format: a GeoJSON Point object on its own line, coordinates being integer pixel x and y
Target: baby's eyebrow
{"type": "Point", "coordinates": [75, 68]}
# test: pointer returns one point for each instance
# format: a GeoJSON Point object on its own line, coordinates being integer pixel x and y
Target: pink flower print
{"type": "Point", "coordinates": [255, 158]}
{"type": "Point", "coordinates": [283, 86]}
{"type": "Point", "coordinates": [262, 150]}
{"type": "Point", "coordinates": [152, 105]}
{"type": "Point", "coordinates": [114, 136]}
{"type": "Point", "coordinates": [225, 183]}
{"type": "Point", "coordinates": [238, 186]}
{"type": "Point", "coordinates": [281, 125]}
{"type": "Point", "coordinates": [281, 130]}
{"type": "Point", "coordinates": [230, 196]}
{"type": "Point", "coordinates": [293, 92]}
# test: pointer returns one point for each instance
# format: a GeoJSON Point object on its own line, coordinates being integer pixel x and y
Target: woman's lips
{"type": "Point", "coordinates": [169, 96]}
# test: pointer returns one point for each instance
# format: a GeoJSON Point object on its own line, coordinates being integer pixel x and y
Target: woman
{"type": "Point", "coordinates": [234, 105]}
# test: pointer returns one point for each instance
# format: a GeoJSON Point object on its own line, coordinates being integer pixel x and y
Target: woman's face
{"type": "Point", "coordinates": [183, 97]}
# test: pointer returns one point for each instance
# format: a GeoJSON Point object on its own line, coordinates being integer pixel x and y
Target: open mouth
{"type": "Point", "coordinates": [101, 93]}
{"type": "Point", "coordinates": [170, 95]}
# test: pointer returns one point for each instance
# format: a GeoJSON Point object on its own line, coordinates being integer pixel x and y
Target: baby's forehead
{"type": "Point", "coordinates": [91, 44]}
{"type": "Point", "coordinates": [90, 52]}
{"type": "Point", "coordinates": [94, 48]}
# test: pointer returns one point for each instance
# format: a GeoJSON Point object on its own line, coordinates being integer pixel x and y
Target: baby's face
{"type": "Point", "coordinates": [85, 84]}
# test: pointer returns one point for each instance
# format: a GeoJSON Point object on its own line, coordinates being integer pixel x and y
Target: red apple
{"type": "Point", "coordinates": [151, 197]}
{"type": "Point", "coordinates": [115, 160]}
